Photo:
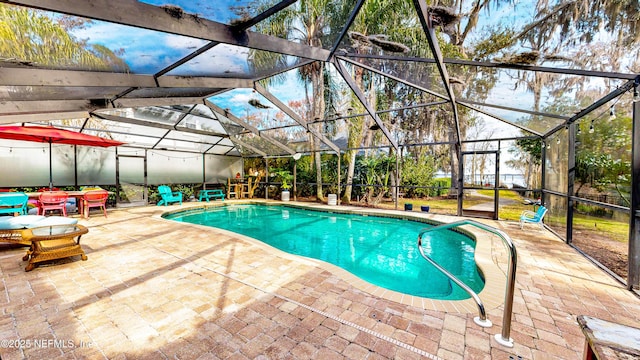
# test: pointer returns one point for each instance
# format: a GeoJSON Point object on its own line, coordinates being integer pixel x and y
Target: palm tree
{"type": "Point", "coordinates": [388, 18]}
{"type": "Point", "coordinates": [308, 22]}
{"type": "Point", "coordinates": [28, 35]}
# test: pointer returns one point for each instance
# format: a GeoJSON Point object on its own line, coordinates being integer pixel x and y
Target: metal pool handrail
{"type": "Point", "coordinates": [503, 338]}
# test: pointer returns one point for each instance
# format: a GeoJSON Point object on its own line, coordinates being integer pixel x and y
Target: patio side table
{"type": "Point", "coordinates": [53, 242]}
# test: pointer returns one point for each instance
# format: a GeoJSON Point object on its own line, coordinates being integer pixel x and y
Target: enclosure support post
{"type": "Point", "coordinates": [543, 161]}
{"type": "Point", "coordinates": [571, 176]}
{"type": "Point", "coordinates": [633, 279]}
{"type": "Point", "coordinates": [395, 191]}
{"type": "Point", "coordinates": [117, 177]}
{"type": "Point", "coordinates": [460, 179]}
{"type": "Point", "coordinates": [496, 185]}
{"type": "Point", "coordinates": [295, 179]}
{"type": "Point", "coordinates": [339, 192]}
{"type": "Point", "coordinates": [145, 189]}
{"type": "Point", "coordinates": [75, 166]}
{"type": "Point", "coordinates": [266, 178]}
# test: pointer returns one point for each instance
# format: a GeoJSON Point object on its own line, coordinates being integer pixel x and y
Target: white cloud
{"type": "Point", "coordinates": [182, 42]}
{"type": "Point", "coordinates": [241, 98]}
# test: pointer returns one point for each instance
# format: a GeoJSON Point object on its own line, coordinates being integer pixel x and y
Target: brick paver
{"type": "Point", "coordinates": [159, 289]}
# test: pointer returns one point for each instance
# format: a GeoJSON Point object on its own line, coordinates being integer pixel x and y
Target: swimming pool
{"type": "Point", "coordinates": [380, 250]}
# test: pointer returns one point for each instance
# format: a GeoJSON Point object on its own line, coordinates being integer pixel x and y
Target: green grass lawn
{"type": "Point", "coordinates": [511, 210]}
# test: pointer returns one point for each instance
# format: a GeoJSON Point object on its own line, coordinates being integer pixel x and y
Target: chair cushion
{"type": "Point", "coordinates": [19, 222]}
{"type": "Point", "coordinates": [56, 220]}
{"type": "Point", "coordinates": [31, 221]}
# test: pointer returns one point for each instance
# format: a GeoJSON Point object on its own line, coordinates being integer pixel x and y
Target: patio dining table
{"type": "Point", "coordinates": [78, 195]}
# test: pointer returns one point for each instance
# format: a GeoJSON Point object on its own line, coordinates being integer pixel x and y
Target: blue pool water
{"type": "Point", "coordinates": [380, 250]}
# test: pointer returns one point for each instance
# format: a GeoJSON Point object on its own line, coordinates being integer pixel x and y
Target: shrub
{"type": "Point", "coordinates": [417, 175]}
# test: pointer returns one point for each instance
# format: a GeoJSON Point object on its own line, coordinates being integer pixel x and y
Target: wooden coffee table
{"type": "Point", "coordinates": [53, 242]}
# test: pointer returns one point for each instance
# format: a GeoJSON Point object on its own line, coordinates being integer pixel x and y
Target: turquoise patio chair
{"type": "Point", "coordinates": [168, 196]}
{"type": "Point", "coordinates": [13, 202]}
{"type": "Point", "coordinates": [533, 217]}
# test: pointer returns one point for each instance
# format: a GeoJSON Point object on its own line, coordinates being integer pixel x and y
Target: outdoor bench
{"type": "Point", "coordinates": [211, 194]}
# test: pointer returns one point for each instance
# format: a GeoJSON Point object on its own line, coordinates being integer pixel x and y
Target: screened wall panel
{"type": "Point", "coordinates": [556, 162]}
{"type": "Point", "coordinates": [603, 234]}
{"type": "Point", "coordinates": [96, 166]}
{"type": "Point", "coordinates": [170, 167]}
{"type": "Point", "coordinates": [418, 73]}
{"type": "Point", "coordinates": [217, 169]}
{"type": "Point", "coordinates": [227, 12]}
{"type": "Point", "coordinates": [556, 217]}
{"type": "Point", "coordinates": [34, 93]}
{"type": "Point", "coordinates": [225, 60]}
{"type": "Point", "coordinates": [62, 164]}
{"type": "Point", "coordinates": [517, 117]}
{"type": "Point", "coordinates": [109, 46]}
{"type": "Point", "coordinates": [169, 92]}
{"type": "Point", "coordinates": [29, 164]}
{"type": "Point", "coordinates": [293, 25]}
{"type": "Point", "coordinates": [521, 168]}
{"type": "Point", "coordinates": [371, 33]}
{"type": "Point", "coordinates": [529, 91]}
{"type": "Point", "coordinates": [603, 155]}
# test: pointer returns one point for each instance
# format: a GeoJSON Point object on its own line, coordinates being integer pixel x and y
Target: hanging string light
{"type": "Point", "coordinates": [612, 113]}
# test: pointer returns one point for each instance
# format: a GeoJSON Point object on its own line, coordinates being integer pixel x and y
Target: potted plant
{"type": "Point", "coordinates": [284, 177]}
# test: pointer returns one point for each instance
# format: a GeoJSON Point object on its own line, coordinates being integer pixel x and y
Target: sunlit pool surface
{"type": "Point", "coordinates": [379, 250]}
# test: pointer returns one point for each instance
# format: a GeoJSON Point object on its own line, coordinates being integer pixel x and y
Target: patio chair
{"type": "Point", "coordinates": [94, 198]}
{"type": "Point", "coordinates": [13, 202]}
{"type": "Point", "coordinates": [168, 196]}
{"type": "Point", "coordinates": [52, 200]}
{"type": "Point", "coordinates": [531, 217]}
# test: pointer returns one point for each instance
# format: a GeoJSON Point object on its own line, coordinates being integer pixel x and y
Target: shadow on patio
{"type": "Point", "coordinates": [159, 289]}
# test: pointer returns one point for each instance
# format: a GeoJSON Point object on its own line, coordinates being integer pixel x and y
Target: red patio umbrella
{"type": "Point", "coordinates": [50, 134]}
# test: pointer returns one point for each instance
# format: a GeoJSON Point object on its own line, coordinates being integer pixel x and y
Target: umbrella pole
{"type": "Point", "coordinates": [50, 169]}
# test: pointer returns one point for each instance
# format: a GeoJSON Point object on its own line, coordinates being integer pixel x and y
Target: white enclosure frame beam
{"type": "Point", "coordinates": [248, 126]}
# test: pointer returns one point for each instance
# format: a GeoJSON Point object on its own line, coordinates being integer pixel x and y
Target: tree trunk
{"type": "Point", "coordinates": [354, 140]}
{"type": "Point", "coordinates": [351, 162]}
{"type": "Point", "coordinates": [317, 82]}
{"type": "Point", "coordinates": [318, 162]}
{"type": "Point", "coordinates": [453, 153]}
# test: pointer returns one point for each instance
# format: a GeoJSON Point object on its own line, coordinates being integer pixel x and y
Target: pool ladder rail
{"type": "Point", "coordinates": [482, 320]}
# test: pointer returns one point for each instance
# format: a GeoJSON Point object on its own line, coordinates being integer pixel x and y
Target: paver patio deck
{"type": "Point", "coordinates": [156, 289]}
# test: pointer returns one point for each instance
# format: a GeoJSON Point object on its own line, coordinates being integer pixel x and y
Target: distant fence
{"type": "Point", "coordinates": [605, 198]}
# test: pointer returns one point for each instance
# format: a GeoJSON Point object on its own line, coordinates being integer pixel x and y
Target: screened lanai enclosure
{"type": "Point", "coordinates": [453, 104]}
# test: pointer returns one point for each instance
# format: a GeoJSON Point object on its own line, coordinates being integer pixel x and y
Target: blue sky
{"type": "Point", "coordinates": [217, 10]}
{"type": "Point", "coordinates": [145, 51]}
